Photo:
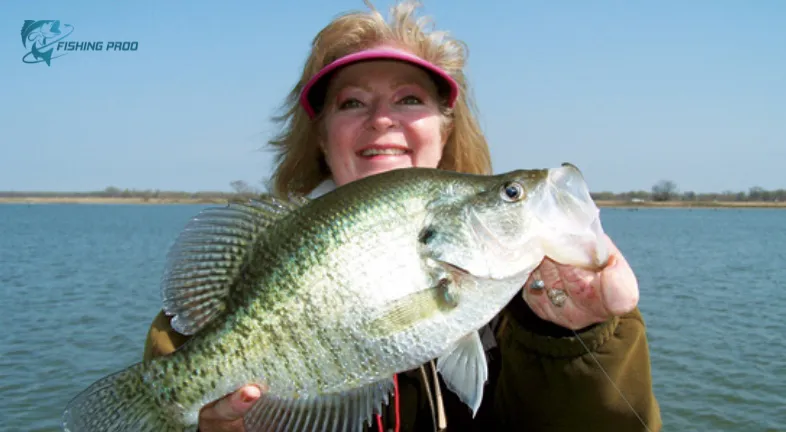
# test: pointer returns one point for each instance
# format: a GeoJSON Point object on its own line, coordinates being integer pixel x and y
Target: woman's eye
{"type": "Point", "coordinates": [410, 100]}
{"type": "Point", "coordinates": [349, 103]}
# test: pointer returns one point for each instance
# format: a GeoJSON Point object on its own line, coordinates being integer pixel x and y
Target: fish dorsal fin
{"type": "Point", "coordinates": [351, 410]}
{"type": "Point", "coordinates": [465, 370]}
{"type": "Point", "coordinates": [208, 254]}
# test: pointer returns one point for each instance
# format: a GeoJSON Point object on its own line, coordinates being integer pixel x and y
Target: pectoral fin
{"type": "Point", "coordinates": [408, 310]}
{"type": "Point", "coordinates": [465, 371]}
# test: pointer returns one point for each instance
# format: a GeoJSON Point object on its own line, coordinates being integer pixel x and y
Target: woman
{"type": "Point", "coordinates": [376, 96]}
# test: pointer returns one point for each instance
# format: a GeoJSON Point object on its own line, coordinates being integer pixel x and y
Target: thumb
{"type": "Point", "coordinates": [620, 287]}
{"type": "Point", "coordinates": [233, 406]}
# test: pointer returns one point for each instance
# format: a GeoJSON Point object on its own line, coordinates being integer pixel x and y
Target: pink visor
{"type": "Point", "coordinates": [314, 90]}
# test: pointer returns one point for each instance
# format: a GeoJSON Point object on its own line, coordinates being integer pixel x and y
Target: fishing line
{"type": "Point", "coordinates": [611, 381]}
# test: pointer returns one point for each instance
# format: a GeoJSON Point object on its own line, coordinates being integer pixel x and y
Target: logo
{"type": "Point", "coordinates": [43, 34]}
{"type": "Point", "coordinates": [44, 39]}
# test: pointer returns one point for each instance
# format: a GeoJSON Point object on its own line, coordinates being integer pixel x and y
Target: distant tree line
{"type": "Point", "coordinates": [240, 190]}
{"type": "Point", "coordinates": [114, 192]}
{"type": "Point", "coordinates": [667, 190]}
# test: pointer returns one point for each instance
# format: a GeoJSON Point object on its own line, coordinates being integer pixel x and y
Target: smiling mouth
{"type": "Point", "coordinates": [371, 152]}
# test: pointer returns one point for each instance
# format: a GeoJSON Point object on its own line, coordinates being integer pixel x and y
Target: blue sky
{"type": "Point", "coordinates": [631, 92]}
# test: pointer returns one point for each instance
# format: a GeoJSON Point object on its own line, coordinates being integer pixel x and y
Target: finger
{"type": "Point", "coordinates": [537, 298]}
{"type": "Point", "coordinates": [591, 297]}
{"type": "Point", "coordinates": [233, 406]}
{"type": "Point", "coordinates": [581, 305]}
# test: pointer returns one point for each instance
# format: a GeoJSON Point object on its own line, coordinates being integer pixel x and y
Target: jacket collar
{"type": "Point", "coordinates": [323, 188]}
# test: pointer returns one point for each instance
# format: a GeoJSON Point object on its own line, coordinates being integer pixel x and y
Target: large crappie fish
{"type": "Point", "coordinates": [322, 301]}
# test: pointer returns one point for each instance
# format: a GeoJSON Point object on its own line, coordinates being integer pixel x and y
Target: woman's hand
{"type": "Point", "coordinates": [226, 414]}
{"type": "Point", "coordinates": [576, 298]}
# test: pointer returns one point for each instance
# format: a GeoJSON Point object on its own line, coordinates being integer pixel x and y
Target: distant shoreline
{"type": "Point", "coordinates": [692, 204]}
{"type": "Point", "coordinates": [107, 200]}
{"type": "Point", "coordinates": [206, 200]}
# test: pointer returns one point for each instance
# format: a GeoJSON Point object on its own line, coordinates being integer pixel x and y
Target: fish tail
{"type": "Point", "coordinates": [118, 402]}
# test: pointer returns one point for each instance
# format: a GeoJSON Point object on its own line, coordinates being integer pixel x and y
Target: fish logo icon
{"type": "Point", "coordinates": [42, 36]}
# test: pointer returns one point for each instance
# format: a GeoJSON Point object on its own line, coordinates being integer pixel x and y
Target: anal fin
{"type": "Point", "coordinates": [465, 370]}
{"type": "Point", "coordinates": [351, 410]}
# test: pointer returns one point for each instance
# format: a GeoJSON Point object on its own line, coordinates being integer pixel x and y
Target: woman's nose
{"type": "Point", "coordinates": [382, 117]}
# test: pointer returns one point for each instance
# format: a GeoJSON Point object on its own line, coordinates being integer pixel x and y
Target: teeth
{"type": "Point", "coordinates": [375, 152]}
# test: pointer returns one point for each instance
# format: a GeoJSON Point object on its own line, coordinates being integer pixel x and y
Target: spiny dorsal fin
{"type": "Point", "coordinates": [351, 410]}
{"type": "Point", "coordinates": [207, 255]}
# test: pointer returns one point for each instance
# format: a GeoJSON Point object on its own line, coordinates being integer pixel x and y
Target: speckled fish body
{"type": "Point", "coordinates": [322, 301]}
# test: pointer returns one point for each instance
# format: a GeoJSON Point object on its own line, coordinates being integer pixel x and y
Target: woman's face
{"type": "Point", "coordinates": [379, 116]}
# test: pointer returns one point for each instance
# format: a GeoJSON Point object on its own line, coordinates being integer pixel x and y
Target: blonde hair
{"type": "Point", "coordinates": [300, 164]}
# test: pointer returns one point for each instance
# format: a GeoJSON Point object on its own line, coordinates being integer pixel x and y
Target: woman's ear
{"type": "Point", "coordinates": [447, 130]}
{"type": "Point", "coordinates": [322, 134]}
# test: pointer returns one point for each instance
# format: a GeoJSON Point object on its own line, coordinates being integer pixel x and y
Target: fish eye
{"type": "Point", "coordinates": [512, 192]}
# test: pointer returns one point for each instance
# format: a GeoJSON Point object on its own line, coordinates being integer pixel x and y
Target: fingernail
{"type": "Point", "coordinates": [249, 395]}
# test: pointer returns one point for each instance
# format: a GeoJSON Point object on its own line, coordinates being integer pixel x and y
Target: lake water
{"type": "Point", "coordinates": [79, 286]}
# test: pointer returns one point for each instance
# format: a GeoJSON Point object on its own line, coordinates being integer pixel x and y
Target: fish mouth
{"type": "Point", "coordinates": [577, 237]}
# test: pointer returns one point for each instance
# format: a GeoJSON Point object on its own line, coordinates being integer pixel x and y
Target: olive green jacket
{"type": "Point", "coordinates": [541, 378]}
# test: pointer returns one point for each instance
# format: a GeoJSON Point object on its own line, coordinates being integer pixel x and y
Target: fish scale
{"type": "Point", "coordinates": [322, 301]}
